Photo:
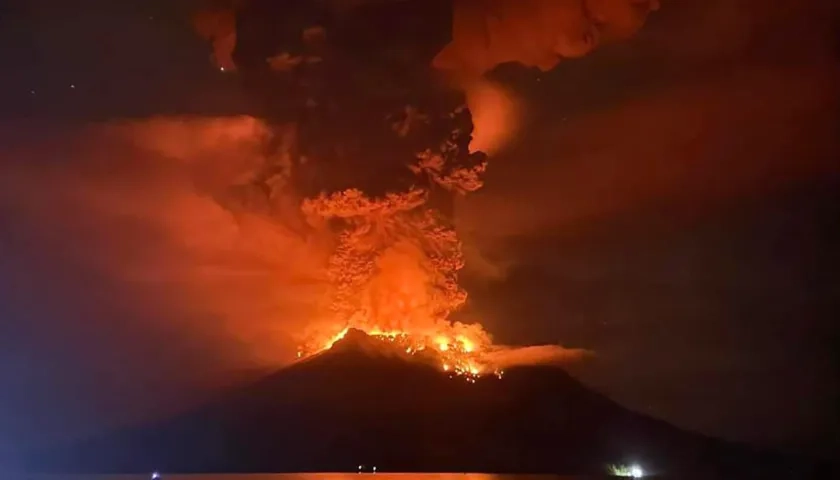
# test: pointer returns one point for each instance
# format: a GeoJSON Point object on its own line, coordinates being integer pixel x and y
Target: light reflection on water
{"type": "Point", "coordinates": [307, 476]}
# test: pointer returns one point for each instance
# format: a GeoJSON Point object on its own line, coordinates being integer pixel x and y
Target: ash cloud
{"type": "Point", "coordinates": [536, 33]}
{"type": "Point", "coordinates": [485, 35]}
{"type": "Point", "coordinates": [128, 282]}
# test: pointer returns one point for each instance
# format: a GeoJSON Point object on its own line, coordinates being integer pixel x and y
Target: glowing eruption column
{"type": "Point", "coordinates": [394, 272]}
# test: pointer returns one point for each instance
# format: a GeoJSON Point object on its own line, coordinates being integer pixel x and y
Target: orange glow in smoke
{"type": "Point", "coordinates": [394, 276]}
{"type": "Point", "coordinates": [496, 114]}
{"type": "Point", "coordinates": [393, 270]}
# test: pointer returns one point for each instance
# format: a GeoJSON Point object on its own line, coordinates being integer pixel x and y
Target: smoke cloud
{"type": "Point", "coordinates": [128, 274]}
{"type": "Point", "coordinates": [497, 115]}
{"type": "Point", "coordinates": [486, 34]}
{"type": "Point", "coordinates": [150, 205]}
{"type": "Point", "coordinates": [537, 355]}
{"type": "Point", "coordinates": [536, 33]}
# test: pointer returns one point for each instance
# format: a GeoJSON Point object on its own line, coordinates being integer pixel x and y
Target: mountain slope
{"type": "Point", "coordinates": [363, 403]}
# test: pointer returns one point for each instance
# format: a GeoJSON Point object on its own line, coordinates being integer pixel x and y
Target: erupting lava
{"type": "Point", "coordinates": [459, 355]}
{"type": "Point", "coordinates": [394, 270]}
{"type": "Point", "coordinates": [394, 277]}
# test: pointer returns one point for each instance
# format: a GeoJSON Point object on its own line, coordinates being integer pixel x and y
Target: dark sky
{"type": "Point", "coordinates": [671, 205]}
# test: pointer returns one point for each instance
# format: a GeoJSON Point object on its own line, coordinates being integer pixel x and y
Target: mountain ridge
{"type": "Point", "coordinates": [363, 402]}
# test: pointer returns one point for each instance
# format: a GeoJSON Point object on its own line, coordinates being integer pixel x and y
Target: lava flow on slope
{"type": "Point", "coordinates": [458, 354]}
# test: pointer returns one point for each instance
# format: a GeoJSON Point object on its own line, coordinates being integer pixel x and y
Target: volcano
{"type": "Point", "coordinates": [364, 402]}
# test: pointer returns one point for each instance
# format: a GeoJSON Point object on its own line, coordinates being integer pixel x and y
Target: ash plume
{"type": "Point", "coordinates": [396, 255]}
{"type": "Point", "coordinates": [200, 234]}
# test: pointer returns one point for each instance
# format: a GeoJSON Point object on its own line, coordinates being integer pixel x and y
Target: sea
{"type": "Point", "coordinates": [306, 476]}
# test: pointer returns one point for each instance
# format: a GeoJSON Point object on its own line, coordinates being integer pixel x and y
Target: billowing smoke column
{"type": "Point", "coordinates": [377, 146]}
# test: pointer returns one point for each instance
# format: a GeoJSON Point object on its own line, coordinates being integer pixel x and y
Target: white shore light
{"type": "Point", "coordinates": [627, 471]}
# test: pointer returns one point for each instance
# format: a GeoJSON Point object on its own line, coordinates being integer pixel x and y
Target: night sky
{"type": "Point", "coordinates": [671, 204]}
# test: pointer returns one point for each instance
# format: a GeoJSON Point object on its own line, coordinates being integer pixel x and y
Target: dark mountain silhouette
{"type": "Point", "coordinates": [363, 402]}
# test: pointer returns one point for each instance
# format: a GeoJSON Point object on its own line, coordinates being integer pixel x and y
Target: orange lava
{"type": "Point", "coordinates": [457, 353]}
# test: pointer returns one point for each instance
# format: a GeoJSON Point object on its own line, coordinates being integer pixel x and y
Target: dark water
{"type": "Point", "coordinates": [308, 476]}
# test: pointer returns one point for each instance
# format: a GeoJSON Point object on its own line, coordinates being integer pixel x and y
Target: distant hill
{"type": "Point", "coordinates": [365, 403]}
